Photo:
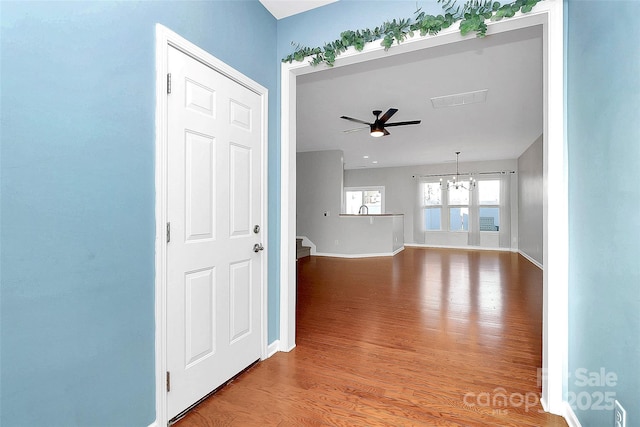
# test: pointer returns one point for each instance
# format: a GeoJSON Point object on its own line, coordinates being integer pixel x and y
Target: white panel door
{"type": "Point", "coordinates": [214, 203]}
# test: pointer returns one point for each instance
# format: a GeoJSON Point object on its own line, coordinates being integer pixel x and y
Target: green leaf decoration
{"type": "Point", "coordinates": [473, 23]}
{"type": "Point", "coordinates": [472, 16]}
{"type": "Point", "coordinates": [526, 8]}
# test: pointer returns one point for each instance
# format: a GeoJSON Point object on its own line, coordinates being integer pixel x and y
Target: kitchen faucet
{"type": "Point", "coordinates": [363, 209]}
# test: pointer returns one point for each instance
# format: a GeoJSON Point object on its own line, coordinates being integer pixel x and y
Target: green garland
{"type": "Point", "coordinates": [472, 17]}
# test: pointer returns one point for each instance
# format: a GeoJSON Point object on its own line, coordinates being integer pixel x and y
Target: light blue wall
{"type": "Point", "coordinates": [77, 207]}
{"type": "Point", "coordinates": [603, 109]}
{"type": "Point", "coordinates": [77, 171]}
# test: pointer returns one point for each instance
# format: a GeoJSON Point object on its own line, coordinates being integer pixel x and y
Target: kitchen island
{"type": "Point", "coordinates": [367, 235]}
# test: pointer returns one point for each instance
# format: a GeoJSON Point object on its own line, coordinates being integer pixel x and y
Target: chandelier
{"type": "Point", "coordinates": [466, 183]}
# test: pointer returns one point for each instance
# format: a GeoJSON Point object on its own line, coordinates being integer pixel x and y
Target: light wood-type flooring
{"type": "Point", "coordinates": [430, 337]}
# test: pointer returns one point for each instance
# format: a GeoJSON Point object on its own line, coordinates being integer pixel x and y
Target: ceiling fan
{"type": "Point", "coordinates": [378, 126]}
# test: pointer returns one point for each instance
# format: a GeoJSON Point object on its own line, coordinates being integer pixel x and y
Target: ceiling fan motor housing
{"type": "Point", "coordinates": [377, 128]}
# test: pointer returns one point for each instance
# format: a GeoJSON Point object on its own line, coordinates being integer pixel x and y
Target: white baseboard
{"type": "Point", "coordinates": [385, 254]}
{"type": "Point", "coordinates": [309, 243]}
{"type": "Point", "coordinates": [471, 248]}
{"type": "Point", "coordinates": [570, 416]}
{"type": "Point", "coordinates": [543, 403]}
{"type": "Point", "coordinates": [531, 260]}
{"type": "Point", "coordinates": [273, 348]}
{"type": "Point", "coordinates": [287, 350]}
{"type": "Point", "coordinates": [476, 248]}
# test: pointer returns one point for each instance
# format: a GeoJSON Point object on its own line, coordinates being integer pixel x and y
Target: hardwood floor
{"type": "Point", "coordinates": [430, 337]}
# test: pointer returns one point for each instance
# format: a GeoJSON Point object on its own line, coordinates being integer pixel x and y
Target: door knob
{"type": "Point", "coordinates": [258, 247]}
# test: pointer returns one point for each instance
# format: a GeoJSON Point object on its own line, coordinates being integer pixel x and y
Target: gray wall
{"type": "Point", "coordinates": [603, 131]}
{"type": "Point", "coordinates": [401, 192]}
{"type": "Point", "coordinates": [362, 235]}
{"type": "Point", "coordinates": [530, 198]}
{"type": "Point", "coordinates": [319, 190]}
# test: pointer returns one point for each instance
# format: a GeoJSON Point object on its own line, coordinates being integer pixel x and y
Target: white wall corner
{"type": "Point", "coordinates": [154, 424]}
{"type": "Point", "coordinates": [273, 348]}
{"type": "Point", "coordinates": [570, 416]}
{"type": "Point", "coordinates": [287, 349]}
{"type": "Point", "coordinates": [531, 260]}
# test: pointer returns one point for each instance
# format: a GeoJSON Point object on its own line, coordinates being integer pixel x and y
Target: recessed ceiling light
{"type": "Point", "coordinates": [374, 162]}
{"type": "Point", "coordinates": [457, 99]}
{"type": "Point", "coordinates": [365, 157]}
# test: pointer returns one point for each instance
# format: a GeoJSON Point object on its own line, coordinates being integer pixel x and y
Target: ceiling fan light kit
{"type": "Point", "coordinates": [376, 132]}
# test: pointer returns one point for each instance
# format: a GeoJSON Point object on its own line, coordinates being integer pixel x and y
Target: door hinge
{"type": "Point", "coordinates": [168, 232]}
{"type": "Point", "coordinates": [168, 83]}
{"type": "Point", "coordinates": [168, 381]}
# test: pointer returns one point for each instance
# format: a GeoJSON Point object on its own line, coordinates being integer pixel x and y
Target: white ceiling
{"type": "Point", "coordinates": [508, 64]}
{"type": "Point", "coordinates": [284, 8]}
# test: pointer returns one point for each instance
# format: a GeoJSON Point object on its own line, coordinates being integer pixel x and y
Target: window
{"type": "Point", "coordinates": [356, 197]}
{"type": "Point", "coordinates": [459, 207]}
{"type": "Point", "coordinates": [456, 204]}
{"type": "Point", "coordinates": [489, 205]}
{"type": "Point", "coordinates": [459, 194]}
{"type": "Point", "coordinates": [454, 209]}
{"type": "Point", "coordinates": [432, 205]}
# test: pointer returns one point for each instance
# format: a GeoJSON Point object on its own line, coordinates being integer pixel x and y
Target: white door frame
{"type": "Point", "coordinates": [165, 38]}
{"type": "Point", "coordinates": [549, 14]}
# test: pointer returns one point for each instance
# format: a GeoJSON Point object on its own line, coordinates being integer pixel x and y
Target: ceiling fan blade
{"type": "Point", "coordinates": [390, 112]}
{"type": "Point", "coordinates": [354, 130]}
{"type": "Point", "coordinates": [412, 122]}
{"type": "Point", "coordinates": [355, 120]}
